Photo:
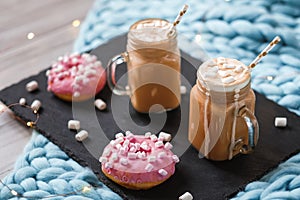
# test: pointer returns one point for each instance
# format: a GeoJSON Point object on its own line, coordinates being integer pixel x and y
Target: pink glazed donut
{"type": "Point", "coordinates": [138, 161]}
{"type": "Point", "coordinates": [76, 77]}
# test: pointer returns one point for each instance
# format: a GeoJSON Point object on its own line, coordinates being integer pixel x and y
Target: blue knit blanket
{"type": "Point", "coordinates": [237, 29]}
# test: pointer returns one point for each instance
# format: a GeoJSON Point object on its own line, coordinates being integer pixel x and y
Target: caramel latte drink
{"type": "Point", "coordinates": [222, 123]}
{"type": "Point", "coordinates": [153, 64]}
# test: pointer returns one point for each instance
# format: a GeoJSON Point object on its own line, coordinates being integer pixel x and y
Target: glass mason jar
{"type": "Point", "coordinates": [153, 64]}
{"type": "Point", "coordinates": [222, 122]}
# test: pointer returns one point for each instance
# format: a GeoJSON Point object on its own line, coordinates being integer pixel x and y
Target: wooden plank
{"type": "Point", "coordinates": [20, 57]}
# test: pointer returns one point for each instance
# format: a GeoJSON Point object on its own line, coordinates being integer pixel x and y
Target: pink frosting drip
{"type": "Point", "coordinates": [81, 74]}
{"type": "Point", "coordinates": [136, 169]}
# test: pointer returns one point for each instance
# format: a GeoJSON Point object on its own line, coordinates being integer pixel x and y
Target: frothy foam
{"type": "Point", "coordinates": [221, 74]}
{"type": "Point", "coordinates": [151, 31]}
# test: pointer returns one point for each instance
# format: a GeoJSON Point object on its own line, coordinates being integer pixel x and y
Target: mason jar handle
{"type": "Point", "coordinates": [253, 131]}
{"type": "Point", "coordinates": [111, 74]}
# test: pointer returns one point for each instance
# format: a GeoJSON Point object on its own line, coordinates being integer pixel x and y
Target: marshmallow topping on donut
{"type": "Point", "coordinates": [76, 77]}
{"type": "Point", "coordinates": [137, 161]}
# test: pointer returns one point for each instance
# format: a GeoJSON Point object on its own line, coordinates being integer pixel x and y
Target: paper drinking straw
{"type": "Point", "coordinates": [272, 44]}
{"type": "Point", "coordinates": [178, 19]}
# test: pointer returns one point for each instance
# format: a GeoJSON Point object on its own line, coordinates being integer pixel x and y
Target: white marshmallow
{"type": "Point", "coordinates": [124, 161]}
{"type": "Point", "coordinates": [228, 79]}
{"type": "Point", "coordinates": [224, 73]}
{"type": "Point", "coordinates": [149, 167]}
{"type": "Point", "coordinates": [132, 155]}
{"type": "Point", "coordinates": [106, 152]}
{"type": "Point", "coordinates": [221, 60]}
{"type": "Point", "coordinates": [82, 135]}
{"type": "Point", "coordinates": [159, 144]}
{"type": "Point", "coordinates": [280, 122]}
{"type": "Point", "coordinates": [168, 146]}
{"type": "Point", "coordinates": [114, 157]}
{"type": "Point", "coordinates": [153, 138]}
{"type": "Point", "coordinates": [119, 140]}
{"type": "Point", "coordinates": [108, 165]}
{"type": "Point", "coordinates": [148, 134]}
{"type": "Point", "coordinates": [74, 124]}
{"type": "Point", "coordinates": [175, 159]}
{"type": "Point", "coordinates": [166, 136]}
{"type": "Point", "coordinates": [151, 158]}
{"type": "Point", "coordinates": [36, 104]}
{"type": "Point", "coordinates": [186, 196]}
{"type": "Point", "coordinates": [119, 135]}
{"type": "Point", "coordinates": [32, 86]}
{"type": "Point", "coordinates": [182, 89]}
{"type": "Point", "coordinates": [22, 101]}
{"type": "Point", "coordinates": [103, 160]}
{"type": "Point", "coordinates": [228, 66]}
{"type": "Point", "coordinates": [163, 172]}
{"type": "Point", "coordinates": [100, 104]}
{"type": "Point", "coordinates": [161, 154]}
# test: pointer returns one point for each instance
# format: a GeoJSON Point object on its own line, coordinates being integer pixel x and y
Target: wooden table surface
{"type": "Point", "coordinates": [20, 57]}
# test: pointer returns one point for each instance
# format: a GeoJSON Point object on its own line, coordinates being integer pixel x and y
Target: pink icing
{"type": "Point", "coordinates": [76, 74]}
{"type": "Point", "coordinates": [136, 169]}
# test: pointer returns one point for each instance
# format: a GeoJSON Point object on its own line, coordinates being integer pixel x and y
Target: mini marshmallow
{"type": "Point", "coordinates": [124, 161]}
{"type": "Point", "coordinates": [166, 136]}
{"type": "Point", "coordinates": [127, 133]}
{"type": "Point", "coordinates": [82, 135]}
{"type": "Point", "coordinates": [100, 104]}
{"type": "Point", "coordinates": [168, 146]}
{"type": "Point", "coordinates": [119, 140]}
{"type": "Point", "coordinates": [209, 75]}
{"type": "Point", "coordinates": [118, 146]}
{"type": "Point", "coordinates": [103, 160]}
{"type": "Point", "coordinates": [32, 86]}
{"type": "Point", "coordinates": [106, 151]}
{"type": "Point", "coordinates": [239, 68]}
{"type": "Point", "coordinates": [186, 196]}
{"type": "Point", "coordinates": [228, 66]}
{"type": "Point", "coordinates": [182, 89]}
{"type": "Point", "coordinates": [132, 149]}
{"type": "Point", "coordinates": [126, 143]}
{"type": "Point", "coordinates": [149, 167]}
{"type": "Point", "coordinates": [280, 122]}
{"type": "Point", "coordinates": [148, 134]}
{"type": "Point", "coordinates": [22, 101]}
{"type": "Point", "coordinates": [122, 151]}
{"type": "Point", "coordinates": [132, 155]}
{"type": "Point", "coordinates": [141, 155]}
{"type": "Point", "coordinates": [114, 157]}
{"type": "Point", "coordinates": [145, 146]}
{"type": "Point", "coordinates": [163, 172]}
{"type": "Point", "coordinates": [223, 73]}
{"type": "Point", "coordinates": [175, 159]}
{"type": "Point", "coordinates": [119, 135]}
{"type": "Point", "coordinates": [36, 104]}
{"type": "Point", "coordinates": [108, 165]}
{"type": "Point", "coordinates": [153, 138]}
{"type": "Point", "coordinates": [76, 94]}
{"type": "Point", "coordinates": [159, 144]}
{"type": "Point", "coordinates": [74, 124]}
{"type": "Point", "coordinates": [151, 158]}
{"type": "Point", "coordinates": [214, 69]}
{"type": "Point", "coordinates": [221, 60]}
{"type": "Point", "coordinates": [228, 79]}
{"type": "Point", "coordinates": [161, 154]}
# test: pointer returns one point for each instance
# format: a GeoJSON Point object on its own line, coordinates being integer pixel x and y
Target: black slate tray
{"type": "Point", "coordinates": [204, 179]}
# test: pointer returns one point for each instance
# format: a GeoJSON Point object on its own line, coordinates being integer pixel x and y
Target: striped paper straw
{"type": "Point", "coordinates": [178, 19]}
{"type": "Point", "coordinates": [272, 44]}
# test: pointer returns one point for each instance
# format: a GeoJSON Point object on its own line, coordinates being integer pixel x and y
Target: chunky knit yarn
{"type": "Point", "coordinates": [46, 170]}
{"type": "Point", "coordinates": [237, 29]}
